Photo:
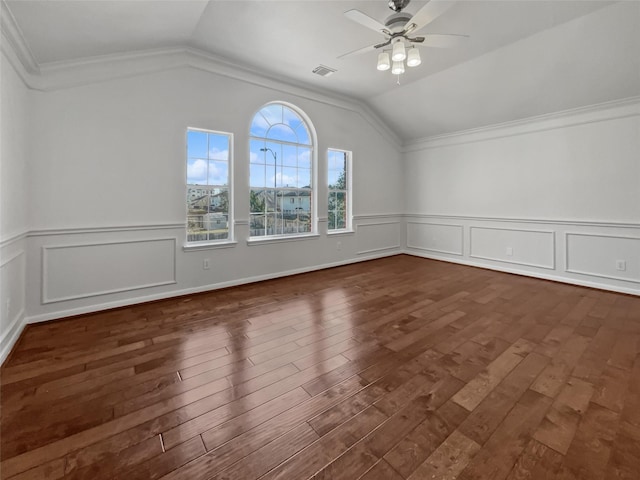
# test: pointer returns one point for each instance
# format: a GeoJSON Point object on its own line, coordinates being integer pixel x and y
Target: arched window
{"type": "Point", "coordinates": [281, 177]}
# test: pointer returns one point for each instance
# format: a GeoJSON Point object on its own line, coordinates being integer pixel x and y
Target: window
{"type": "Point", "coordinates": [338, 173]}
{"type": "Point", "coordinates": [208, 186]}
{"type": "Point", "coordinates": [281, 173]}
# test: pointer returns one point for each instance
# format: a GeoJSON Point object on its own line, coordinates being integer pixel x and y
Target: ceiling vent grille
{"type": "Point", "coordinates": [323, 70]}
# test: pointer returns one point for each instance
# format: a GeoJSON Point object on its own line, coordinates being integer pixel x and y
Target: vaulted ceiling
{"type": "Point", "coordinates": [522, 58]}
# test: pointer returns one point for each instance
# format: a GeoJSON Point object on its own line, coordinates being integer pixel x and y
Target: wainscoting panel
{"type": "Point", "coordinates": [86, 270]}
{"type": "Point", "coordinates": [435, 237]}
{"type": "Point", "coordinates": [377, 237]}
{"type": "Point", "coordinates": [12, 296]}
{"type": "Point", "coordinates": [534, 248]}
{"type": "Point", "coordinates": [605, 256]}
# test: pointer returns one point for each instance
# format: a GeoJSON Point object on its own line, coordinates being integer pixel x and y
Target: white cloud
{"type": "Point", "coordinates": [197, 172]}
{"type": "Point", "coordinates": [284, 180]}
{"type": "Point", "coordinates": [217, 154]}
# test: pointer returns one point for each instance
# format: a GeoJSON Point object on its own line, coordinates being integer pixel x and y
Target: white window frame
{"type": "Point", "coordinates": [348, 191]}
{"type": "Point", "coordinates": [230, 240]}
{"type": "Point", "coordinates": [255, 240]}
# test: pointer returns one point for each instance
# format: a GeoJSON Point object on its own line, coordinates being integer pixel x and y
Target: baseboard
{"type": "Point", "coordinates": [527, 273]}
{"type": "Point", "coordinates": [205, 288]}
{"type": "Point", "coordinates": [10, 339]}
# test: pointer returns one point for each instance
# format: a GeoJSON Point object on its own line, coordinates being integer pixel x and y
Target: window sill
{"type": "Point", "coordinates": [208, 246]}
{"type": "Point", "coordinates": [288, 238]}
{"type": "Point", "coordinates": [341, 232]}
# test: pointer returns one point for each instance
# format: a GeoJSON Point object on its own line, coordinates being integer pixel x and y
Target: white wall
{"type": "Point", "coordinates": [14, 201]}
{"type": "Point", "coordinates": [108, 191]}
{"type": "Point", "coordinates": [556, 196]}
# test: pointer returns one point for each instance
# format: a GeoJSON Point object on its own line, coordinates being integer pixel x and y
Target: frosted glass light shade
{"type": "Point", "coordinates": [413, 57]}
{"type": "Point", "coordinates": [383, 61]}
{"type": "Point", "coordinates": [397, 68]}
{"type": "Point", "coordinates": [398, 54]}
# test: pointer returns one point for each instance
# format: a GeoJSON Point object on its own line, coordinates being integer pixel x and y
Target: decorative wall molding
{"type": "Point", "coordinates": [376, 216]}
{"type": "Point", "coordinates": [436, 250]}
{"type": "Point", "coordinates": [13, 40]}
{"type": "Point", "coordinates": [205, 288]}
{"type": "Point", "coordinates": [581, 223]}
{"type": "Point", "coordinates": [10, 239]}
{"type": "Point", "coordinates": [617, 109]}
{"type": "Point", "coordinates": [529, 273]}
{"type": "Point", "coordinates": [106, 229]}
{"type": "Point", "coordinates": [13, 257]}
{"type": "Point", "coordinates": [568, 250]}
{"type": "Point", "coordinates": [383, 245]}
{"type": "Point", "coordinates": [46, 298]}
{"type": "Point", "coordinates": [68, 74]}
{"type": "Point", "coordinates": [10, 334]}
{"type": "Point", "coordinates": [496, 258]}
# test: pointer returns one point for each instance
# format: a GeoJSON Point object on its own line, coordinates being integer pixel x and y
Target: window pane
{"type": "Point", "coordinates": [304, 157]}
{"type": "Point", "coordinates": [289, 155]}
{"type": "Point", "coordinates": [286, 167]}
{"type": "Point", "coordinates": [219, 200]}
{"type": "Point", "coordinates": [218, 173]}
{"type": "Point", "coordinates": [198, 201]}
{"type": "Point", "coordinates": [270, 200]}
{"type": "Point", "coordinates": [257, 176]}
{"type": "Point", "coordinates": [256, 201]}
{"type": "Point", "coordinates": [303, 135]}
{"type": "Point", "coordinates": [208, 157]}
{"type": "Point", "coordinates": [288, 177]}
{"type": "Point", "coordinates": [291, 118]}
{"type": "Point", "coordinates": [273, 113]}
{"type": "Point", "coordinates": [218, 147]}
{"type": "Point", "coordinates": [259, 126]}
{"type": "Point", "coordinates": [337, 171]}
{"type": "Point", "coordinates": [197, 171]}
{"type": "Point", "coordinates": [256, 225]}
{"type": "Point", "coordinates": [304, 178]}
{"type": "Point", "coordinates": [255, 155]}
{"type": "Point", "coordinates": [334, 175]}
{"type": "Point", "coordinates": [196, 144]}
{"type": "Point", "coordinates": [282, 132]}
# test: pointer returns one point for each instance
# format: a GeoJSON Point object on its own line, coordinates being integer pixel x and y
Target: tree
{"type": "Point", "coordinates": [256, 204]}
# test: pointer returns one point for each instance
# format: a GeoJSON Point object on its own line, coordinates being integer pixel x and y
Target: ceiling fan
{"type": "Point", "coordinates": [398, 30]}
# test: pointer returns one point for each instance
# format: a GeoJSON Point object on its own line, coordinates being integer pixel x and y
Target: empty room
{"type": "Point", "coordinates": [320, 239]}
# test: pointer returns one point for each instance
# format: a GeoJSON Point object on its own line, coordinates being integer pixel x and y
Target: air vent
{"type": "Point", "coordinates": [323, 71]}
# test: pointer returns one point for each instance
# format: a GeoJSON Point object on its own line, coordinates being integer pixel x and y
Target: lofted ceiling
{"type": "Point", "coordinates": [522, 58]}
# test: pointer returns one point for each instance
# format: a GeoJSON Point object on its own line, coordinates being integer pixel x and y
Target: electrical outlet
{"type": "Point", "coordinates": [621, 265]}
{"type": "Point", "coordinates": [338, 246]}
{"type": "Point", "coordinates": [509, 251]}
{"type": "Point", "coordinates": [7, 308]}
{"type": "Point", "coordinates": [205, 264]}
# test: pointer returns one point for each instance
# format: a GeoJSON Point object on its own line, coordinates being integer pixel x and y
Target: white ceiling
{"type": "Point", "coordinates": [523, 58]}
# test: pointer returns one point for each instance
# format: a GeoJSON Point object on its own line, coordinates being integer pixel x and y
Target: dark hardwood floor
{"type": "Point", "coordinates": [399, 368]}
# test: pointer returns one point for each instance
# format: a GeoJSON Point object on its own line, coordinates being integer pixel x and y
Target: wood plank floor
{"type": "Point", "coordinates": [399, 368]}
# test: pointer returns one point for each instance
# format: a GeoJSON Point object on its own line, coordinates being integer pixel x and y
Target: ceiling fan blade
{"type": "Point", "coordinates": [443, 40]}
{"type": "Point", "coordinates": [428, 14]}
{"type": "Point", "coordinates": [365, 20]}
{"type": "Point", "coordinates": [370, 48]}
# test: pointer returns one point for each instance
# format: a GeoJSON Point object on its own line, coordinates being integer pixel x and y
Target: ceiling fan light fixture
{"type": "Point", "coordinates": [413, 57]}
{"type": "Point", "coordinates": [383, 61]}
{"type": "Point", "coordinates": [398, 54]}
{"type": "Point", "coordinates": [397, 68]}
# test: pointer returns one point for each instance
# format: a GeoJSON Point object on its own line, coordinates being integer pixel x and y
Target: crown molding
{"type": "Point", "coordinates": [623, 108]}
{"type": "Point", "coordinates": [69, 74]}
{"type": "Point", "coordinates": [12, 35]}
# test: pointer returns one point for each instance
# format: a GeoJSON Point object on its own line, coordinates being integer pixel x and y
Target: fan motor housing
{"type": "Point", "coordinates": [396, 22]}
